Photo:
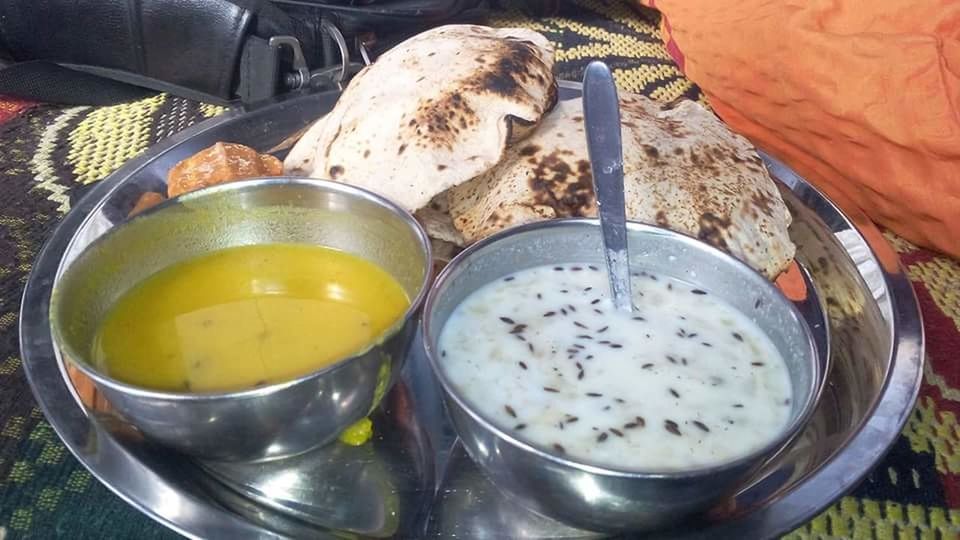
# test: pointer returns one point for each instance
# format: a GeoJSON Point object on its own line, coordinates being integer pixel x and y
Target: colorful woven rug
{"type": "Point", "coordinates": [50, 155]}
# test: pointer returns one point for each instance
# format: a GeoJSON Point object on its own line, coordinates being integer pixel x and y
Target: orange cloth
{"type": "Point", "coordinates": [861, 98]}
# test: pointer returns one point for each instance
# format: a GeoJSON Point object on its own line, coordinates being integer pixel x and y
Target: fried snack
{"type": "Point", "coordinates": [146, 201]}
{"type": "Point", "coordinates": [221, 163]}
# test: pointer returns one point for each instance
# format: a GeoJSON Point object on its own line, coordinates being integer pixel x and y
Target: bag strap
{"type": "Point", "coordinates": [53, 83]}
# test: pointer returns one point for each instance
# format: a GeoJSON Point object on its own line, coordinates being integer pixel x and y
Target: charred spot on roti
{"type": "Point", "coordinates": [566, 189]}
{"type": "Point", "coordinates": [336, 171]}
{"type": "Point", "coordinates": [401, 149]}
{"type": "Point", "coordinates": [661, 219]}
{"type": "Point", "coordinates": [529, 150]}
{"type": "Point", "coordinates": [441, 167]}
{"type": "Point", "coordinates": [713, 230]}
{"type": "Point", "coordinates": [763, 202]}
{"type": "Point", "coordinates": [439, 121]}
{"type": "Point", "coordinates": [651, 151]}
{"type": "Point", "coordinates": [326, 151]}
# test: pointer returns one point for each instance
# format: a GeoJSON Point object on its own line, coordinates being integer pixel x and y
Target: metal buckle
{"type": "Point", "coordinates": [336, 76]}
{"type": "Point", "coordinates": [301, 77]}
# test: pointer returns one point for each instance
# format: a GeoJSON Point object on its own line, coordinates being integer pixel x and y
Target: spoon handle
{"type": "Point", "coordinates": [601, 113]}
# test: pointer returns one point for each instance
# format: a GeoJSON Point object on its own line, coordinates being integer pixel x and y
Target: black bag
{"type": "Point", "coordinates": [98, 52]}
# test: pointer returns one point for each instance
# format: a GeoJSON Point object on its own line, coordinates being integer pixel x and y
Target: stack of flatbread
{"type": "Point", "coordinates": [461, 126]}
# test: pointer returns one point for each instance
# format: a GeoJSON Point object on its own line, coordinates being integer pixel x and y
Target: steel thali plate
{"type": "Point", "coordinates": [414, 480]}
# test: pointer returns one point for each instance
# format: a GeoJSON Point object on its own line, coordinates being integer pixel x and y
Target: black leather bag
{"type": "Point", "coordinates": [223, 51]}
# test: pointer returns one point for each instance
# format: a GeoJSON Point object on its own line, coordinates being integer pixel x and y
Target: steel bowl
{"type": "Point", "coordinates": [275, 420]}
{"type": "Point", "coordinates": [587, 495]}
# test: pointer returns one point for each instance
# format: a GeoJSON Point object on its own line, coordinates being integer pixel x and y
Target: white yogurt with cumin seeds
{"type": "Point", "coordinates": [685, 381]}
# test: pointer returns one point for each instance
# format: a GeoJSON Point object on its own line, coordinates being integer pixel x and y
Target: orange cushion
{"type": "Point", "coordinates": [861, 98]}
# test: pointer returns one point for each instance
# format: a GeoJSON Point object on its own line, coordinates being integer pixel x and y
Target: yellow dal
{"type": "Point", "coordinates": [246, 316]}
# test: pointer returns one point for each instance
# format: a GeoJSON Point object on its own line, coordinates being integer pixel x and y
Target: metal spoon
{"type": "Point", "coordinates": [601, 113]}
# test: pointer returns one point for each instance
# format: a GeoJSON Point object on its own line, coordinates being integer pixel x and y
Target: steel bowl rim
{"type": "Point", "coordinates": [784, 438]}
{"type": "Point", "coordinates": [268, 389]}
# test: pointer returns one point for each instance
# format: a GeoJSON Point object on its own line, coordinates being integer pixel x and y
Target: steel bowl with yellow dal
{"type": "Point", "coordinates": [247, 321]}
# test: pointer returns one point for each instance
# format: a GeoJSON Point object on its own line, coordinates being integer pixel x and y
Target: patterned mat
{"type": "Point", "coordinates": [50, 155]}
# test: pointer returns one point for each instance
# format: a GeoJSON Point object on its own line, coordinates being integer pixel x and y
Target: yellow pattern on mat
{"type": "Point", "coordinates": [44, 170]}
{"type": "Point", "coordinates": [110, 136]}
{"type": "Point", "coordinates": [942, 278]}
{"type": "Point", "coordinates": [609, 43]}
{"type": "Point", "coordinates": [880, 520]}
{"type": "Point", "coordinates": [930, 430]}
{"type": "Point", "coordinates": [901, 245]}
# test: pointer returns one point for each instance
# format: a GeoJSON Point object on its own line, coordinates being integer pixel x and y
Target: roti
{"type": "Point", "coordinates": [432, 113]}
{"type": "Point", "coordinates": [683, 170]}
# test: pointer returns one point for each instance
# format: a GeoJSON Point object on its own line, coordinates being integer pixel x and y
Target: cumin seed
{"type": "Point", "coordinates": [674, 393]}
{"type": "Point", "coordinates": [572, 419]}
{"type": "Point", "coordinates": [638, 318]}
{"type": "Point", "coordinates": [648, 365]}
{"type": "Point", "coordinates": [616, 432]}
{"type": "Point", "coordinates": [672, 427]}
{"type": "Point", "coordinates": [698, 291]}
{"type": "Point", "coordinates": [584, 336]}
{"type": "Point", "coordinates": [564, 311]}
{"type": "Point", "coordinates": [641, 421]}
{"type": "Point", "coordinates": [737, 336]}
{"type": "Point", "coordinates": [618, 400]}
{"type": "Point", "coordinates": [602, 437]}
{"type": "Point", "coordinates": [558, 269]}
{"type": "Point", "coordinates": [602, 330]}
{"type": "Point", "coordinates": [701, 425]}
{"type": "Point", "coordinates": [705, 344]}
{"type": "Point", "coordinates": [594, 268]}
{"type": "Point", "coordinates": [598, 311]}
{"type": "Point", "coordinates": [580, 324]}
{"type": "Point", "coordinates": [518, 427]}
{"type": "Point", "coordinates": [509, 278]}
{"type": "Point", "coordinates": [510, 411]}
{"type": "Point", "coordinates": [594, 394]}
{"type": "Point", "coordinates": [507, 320]}
{"type": "Point", "coordinates": [595, 302]}
{"type": "Point", "coordinates": [550, 314]}
{"type": "Point", "coordinates": [575, 268]}
{"type": "Point", "coordinates": [443, 353]}
{"type": "Point", "coordinates": [522, 364]}
{"type": "Point", "coordinates": [573, 309]}
{"type": "Point", "coordinates": [559, 448]}
{"type": "Point", "coordinates": [539, 296]}
{"type": "Point", "coordinates": [550, 389]}
{"type": "Point", "coordinates": [580, 375]}
{"type": "Point", "coordinates": [738, 405]}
